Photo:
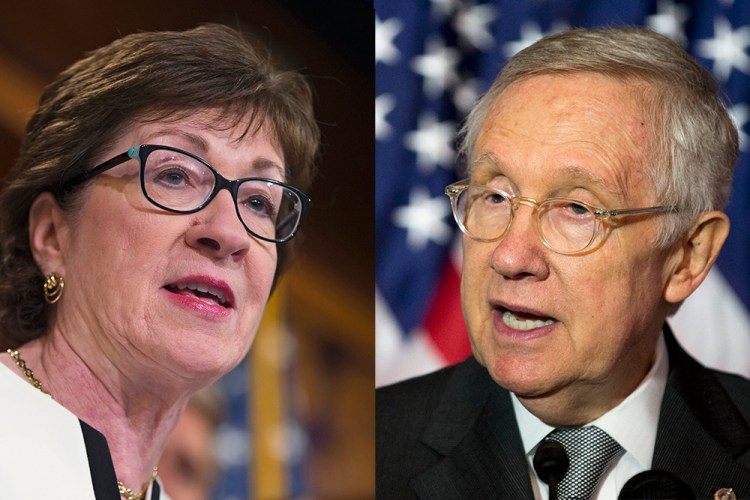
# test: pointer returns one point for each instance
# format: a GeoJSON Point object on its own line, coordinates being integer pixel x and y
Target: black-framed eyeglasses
{"type": "Point", "coordinates": [180, 182]}
{"type": "Point", "coordinates": [565, 226]}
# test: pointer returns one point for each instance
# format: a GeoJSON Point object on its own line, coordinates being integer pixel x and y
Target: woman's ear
{"type": "Point", "coordinates": [694, 255]}
{"type": "Point", "coordinates": [47, 233]}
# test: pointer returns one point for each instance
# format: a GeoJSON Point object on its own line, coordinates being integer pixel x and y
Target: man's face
{"type": "Point", "coordinates": [583, 327]}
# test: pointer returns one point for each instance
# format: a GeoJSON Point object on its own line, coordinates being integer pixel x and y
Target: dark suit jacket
{"type": "Point", "coordinates": [453, 434]}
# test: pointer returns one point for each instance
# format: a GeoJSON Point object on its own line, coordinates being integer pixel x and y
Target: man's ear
{"type": "Point", "coordinates": [47, 232]}
{"type": "Point", "coordinates": [693, 256]}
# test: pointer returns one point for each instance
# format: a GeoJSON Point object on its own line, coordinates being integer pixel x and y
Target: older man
{"type": "Point", "coordinates": [599, 165]}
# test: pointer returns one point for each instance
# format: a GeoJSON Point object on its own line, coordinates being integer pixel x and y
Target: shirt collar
{"type": "Point", "coordinates": [632, 423]}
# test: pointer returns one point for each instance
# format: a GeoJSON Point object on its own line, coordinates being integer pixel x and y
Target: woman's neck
{"type": "Point", "coordinates": [136, 417]}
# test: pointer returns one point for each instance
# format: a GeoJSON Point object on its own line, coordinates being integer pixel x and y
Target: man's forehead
{"type": "Point", "coordinates": [488, 166]}
{"type": "Point", "coordinates": [560, 97]}
{"type": "Point", "coordinates": [591, 128]}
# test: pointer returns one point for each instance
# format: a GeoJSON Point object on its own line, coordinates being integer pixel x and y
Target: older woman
{"type": "Point", "coordinates": [142, 230]}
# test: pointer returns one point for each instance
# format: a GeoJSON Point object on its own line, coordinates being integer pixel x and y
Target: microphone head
{"type": "Point", "coordinates": [551, 462]}
{"type": "Point", "coordinates": [656, 485]}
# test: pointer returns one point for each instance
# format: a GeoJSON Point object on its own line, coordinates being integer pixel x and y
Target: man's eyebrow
{"type": "Point", "coordinates": [569, 174]}
{"type": "Point", "coordinates": [487, 158]}
{"type": "Point", "coordinates": [575, 174]}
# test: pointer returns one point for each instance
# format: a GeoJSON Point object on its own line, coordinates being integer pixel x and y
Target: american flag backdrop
{"type": "Point", "coordinates": [433, 59]}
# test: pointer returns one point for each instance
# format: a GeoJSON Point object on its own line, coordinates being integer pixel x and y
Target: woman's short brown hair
{"type": "Point", "coordinates": [143, 76]}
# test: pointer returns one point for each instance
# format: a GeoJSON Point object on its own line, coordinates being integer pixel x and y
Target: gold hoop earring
{"type": "Point", "coordinates": [53, 288]}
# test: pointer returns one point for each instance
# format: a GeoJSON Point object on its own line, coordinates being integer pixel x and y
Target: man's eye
{"type": "Point", "coordinates": [495, 198]}
{"type": "Point", "coordinates": [578, 209]}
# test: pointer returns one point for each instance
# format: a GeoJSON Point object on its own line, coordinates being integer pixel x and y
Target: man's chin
{"type": "Point", "coordinates": [522, 379]}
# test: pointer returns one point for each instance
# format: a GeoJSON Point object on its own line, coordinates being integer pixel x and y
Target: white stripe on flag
{"type": "Point", "coordinates": [398, 357]}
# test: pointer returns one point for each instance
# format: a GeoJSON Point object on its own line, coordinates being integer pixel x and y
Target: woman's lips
{"type": "Point", "coordinates": [203, 294]}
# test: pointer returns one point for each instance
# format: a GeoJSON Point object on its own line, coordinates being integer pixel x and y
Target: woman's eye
{"type": "Point", "coordinates": [173, 177]}
{"type": "Point", "coordinates": [260, 205]}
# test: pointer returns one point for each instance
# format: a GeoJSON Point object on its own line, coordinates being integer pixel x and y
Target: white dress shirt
{"type": "Point", "coordinates": [632, 424]}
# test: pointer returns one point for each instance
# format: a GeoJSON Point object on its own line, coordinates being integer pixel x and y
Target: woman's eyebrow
{"type": "Point", "coordinates": [262, 164]}
{"type": "Point", "coordinates": [200, 143]}
{"type": "Point", "coordinates": [202, 148]}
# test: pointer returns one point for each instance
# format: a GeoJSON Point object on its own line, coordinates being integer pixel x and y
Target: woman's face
{"type": "Point", "coordinates": [184, 292]}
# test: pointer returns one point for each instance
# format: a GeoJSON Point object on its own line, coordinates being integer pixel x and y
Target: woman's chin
{"type": "Point", "coordinates": [200, 366]}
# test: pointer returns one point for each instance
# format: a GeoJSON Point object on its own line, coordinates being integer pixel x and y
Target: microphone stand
{"type": "Point", "coordinates": [551, 463]}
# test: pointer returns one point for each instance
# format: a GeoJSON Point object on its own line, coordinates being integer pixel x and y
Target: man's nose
{"type": "Point", "coordinates": [520, 252]}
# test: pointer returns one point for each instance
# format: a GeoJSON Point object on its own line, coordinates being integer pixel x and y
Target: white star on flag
{"type": "Point", "coordinates": [473, 26]}
{"type": "Point", "coordinates": [384, 104]}
{"type": "Point", "coordinates": [727, 49]}
{"type": "Point", "coordinates": [385, 33]}
{"type": "Point", "coordinates": [443, 8]}
{"type": "Point", "coordinates": [740, 114]}
{"type": "Point", "coordinates": [669, 20]}
{"type": "Point", "coordinates": [424, 219]}
{"type": "Point", "coordinates": [530, 32]}
{"type": "Point", "coordinates": [432, 142]}
{"type": "Point", "coordinates": [437, 66]}
{"type": "Point", "coordinates": [466, 95]}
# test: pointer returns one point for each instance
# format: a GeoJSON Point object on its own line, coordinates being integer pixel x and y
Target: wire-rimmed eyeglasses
{"type": "Point", "coordinates": [565, 226]}
{"type": "Point", "coordinates": [180, 182]}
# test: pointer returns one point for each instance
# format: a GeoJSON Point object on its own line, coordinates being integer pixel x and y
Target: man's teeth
{"type": "Point", "coordinates": [524, 324]}
{"type": "Point", "coordinates": [220, 297]}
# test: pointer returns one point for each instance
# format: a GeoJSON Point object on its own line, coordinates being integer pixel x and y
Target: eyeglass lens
{"type": "Point", "coordinates": [182, 183]}
{"type": "Point", "coordinates": [565, 225]}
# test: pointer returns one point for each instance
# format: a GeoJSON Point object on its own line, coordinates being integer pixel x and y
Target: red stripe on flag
{"type": "Point", "coordinates": [445, 321]}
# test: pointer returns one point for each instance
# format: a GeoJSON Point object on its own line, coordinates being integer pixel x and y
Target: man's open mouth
{"type": "Point", "coordinates": [524, 321]}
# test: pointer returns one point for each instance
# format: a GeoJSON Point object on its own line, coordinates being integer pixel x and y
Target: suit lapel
{"type": "Point", "coordinates": [701, 435]}
{"type": "Point", "coordinates": [474, 428]}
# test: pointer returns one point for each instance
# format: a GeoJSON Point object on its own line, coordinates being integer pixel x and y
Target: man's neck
{"type": "Point", "coordinates": [583, 402]}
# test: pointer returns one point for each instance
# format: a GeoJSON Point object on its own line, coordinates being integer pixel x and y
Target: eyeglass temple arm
{"type": "Point", "coordinates": [636, 211]}
{"type": "Point", "coordinates": [455, 189]}
{"type": "Point", "coordinates": [111, 163]}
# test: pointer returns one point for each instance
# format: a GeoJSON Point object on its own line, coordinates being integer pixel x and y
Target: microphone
{"type": "Point", "coordinates": [656, 485]}
{"type": "Point", "coordinates": [551, 464]}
